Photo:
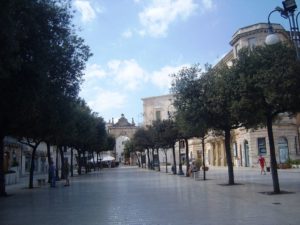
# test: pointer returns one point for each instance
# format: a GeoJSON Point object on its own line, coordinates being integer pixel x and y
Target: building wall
{"type": "Point", "coordinates": [244, 142]}
{"type": "Point", "coordinates": [158, 106]}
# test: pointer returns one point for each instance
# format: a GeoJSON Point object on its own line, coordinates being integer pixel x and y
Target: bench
{"type": "Point", "coordinates": [41, 181]}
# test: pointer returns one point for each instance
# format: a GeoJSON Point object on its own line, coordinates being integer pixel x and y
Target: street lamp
{"type": "Point", "coordinates": [287, 12]}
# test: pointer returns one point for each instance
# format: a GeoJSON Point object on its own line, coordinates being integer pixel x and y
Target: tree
{"type": "Point", "coordinates": [191, 121]}
{"type": "Point", "coordinates": [220, 86]}
{"type": "Point", "coordinates": [211, 95]}
{"type": "Point", "coordinates": [269, 81]}
{"type": "Point", "coordinates": [143, 139]}
{"type": "Point", "coordinates": [168, 135]}
{"type": "Point", "coordinates": [41, 56]}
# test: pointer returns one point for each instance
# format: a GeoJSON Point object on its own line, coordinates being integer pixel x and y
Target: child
{"type": "Point", "coordinates": [262, 162]}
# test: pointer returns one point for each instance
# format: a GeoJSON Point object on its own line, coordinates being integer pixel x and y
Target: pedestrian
{"type": "Point", "coordinates": [173, 169]}
{"type": "Point", "coordinates": [66, 170]}
{"type": "Point", "coordinates": [52, 174]}
{"type": "Point", "coordinates": [262, 162]}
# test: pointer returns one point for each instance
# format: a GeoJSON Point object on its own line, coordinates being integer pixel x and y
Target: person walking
{"type": "Point", "coordinates": [52, 174]}
{"type": "Point", "coordinates": [66, 172]}
{"type": "Point", "coordinates": [262, 162]}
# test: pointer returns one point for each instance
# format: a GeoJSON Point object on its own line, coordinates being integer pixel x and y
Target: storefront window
{"type": "Point", "coordinates": [261, 144]}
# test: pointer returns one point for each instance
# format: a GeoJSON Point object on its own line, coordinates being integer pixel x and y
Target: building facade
{"type": "Point", "coordinates": [122, 131]}
{"type": "Point", "coordinates": [246, 145]}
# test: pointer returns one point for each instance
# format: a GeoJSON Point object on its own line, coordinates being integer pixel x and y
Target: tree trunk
{"type": "Point", "coordinates": [148, 156]}
{"type": "Point", "coordinates": [180, 172]}
{"type": "Point", "coordinates": [72, 162]}
{"type": "Point", "coordinates": [85, 163]}
{"type": "Point", "coordinates": [94, 164]}
{"type": "Point", "coordinates": [228, 157]}
{"type": "Point", "coordinates": [79, 161]}
{"type": "Point", "coordinates": [62, 162]}
{"type": "Point", "coordinates": [2, 175]}
{"type": "Point", "coordinates": [187, 157]}
{"type": "Point", "coordinates": [49, 159]}
{"type": "Point", "coordinates": [139, 162]}
{"type": "Point", "coordinates": [152, 164]}
{"type": "Point", "coordinates": [165, 151]}
{"type": "Point", "coordinates": [157, 151]}
{"type": "Point", "coordinates": [275, 179]}
{"type": "Point", "coordinates": [32, 165]}
{"type": "Point", "coordinates": [56, 164]}
{"type": "Point", "coordinates": [203, 156]}
{"type": "Point", "coordinates": [174, 159]}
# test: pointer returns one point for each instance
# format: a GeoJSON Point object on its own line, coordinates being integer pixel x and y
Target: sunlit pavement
{"type": "Point", "coordinates": [133, 196]}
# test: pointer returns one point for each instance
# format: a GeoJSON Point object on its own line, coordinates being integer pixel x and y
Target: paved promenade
{"type": "Point", "coordinates": [133, 196]}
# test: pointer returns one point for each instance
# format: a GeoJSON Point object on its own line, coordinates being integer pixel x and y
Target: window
{"type": "Point", "coordinates": [235, 153]}
{"type": "Point", "coordinates": [157, 115]}
{"type": "Point", "coordinates": [237, 48]}
{"type": "Point", "coordinates": [283, 149]}
{"type": "Point", "coordinates": [251, 42]}
{"type": "Point", "coordinates": [261, 144]}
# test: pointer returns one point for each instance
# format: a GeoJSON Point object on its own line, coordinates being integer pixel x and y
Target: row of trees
{"type": "Point", "coordinates": [160, 136]}
{"type": "Point", "coordinates": [41, 68]}
{"type": "Point", "coordinates": [260, 85]}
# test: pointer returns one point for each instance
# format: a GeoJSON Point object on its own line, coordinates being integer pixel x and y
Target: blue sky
{"type": "Point", "coordinates": [136, 44]}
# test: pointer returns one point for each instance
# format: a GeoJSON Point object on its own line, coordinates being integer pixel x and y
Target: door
{"type": "Point", "coordinates": [283, 150]}
{"type": "Point", "coordinates": [246, 154]}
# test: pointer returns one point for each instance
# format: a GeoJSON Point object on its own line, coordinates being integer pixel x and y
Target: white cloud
{"type": "Point", "coordinates": [86, 10]}
{"type": "Point", "coordinates": [162, 77]}
{"type": "Point", "coordinates": [207, 5]}
{"type": "Point", "coordinates": [127, 34]}
{"type": "Point", "coordinates": [127, 73]}
{"type": "Point", "coordinates": [94, 71]}
{"type": "Point", "coordinates": [156, 18]}
{"type": "Point", "coordinates": [105, 100]}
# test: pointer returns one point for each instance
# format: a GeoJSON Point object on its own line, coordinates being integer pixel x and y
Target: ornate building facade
{"type": "Point", "coordinates": [122, 131]}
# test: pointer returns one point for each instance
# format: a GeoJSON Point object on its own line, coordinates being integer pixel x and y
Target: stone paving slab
{"type": "Point", "coordinates": [133, 196]}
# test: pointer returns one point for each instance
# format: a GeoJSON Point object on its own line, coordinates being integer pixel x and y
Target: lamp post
{"type": "Point", "coordinates": [287, 12]}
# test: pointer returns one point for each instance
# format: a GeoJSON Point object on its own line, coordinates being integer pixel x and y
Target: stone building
{"type": "Point", "coordinates": [247, 145]}
{"type": "Point", "coordinates": [122, 131]}
{"type": "Point", "coordinates": [161, 108]}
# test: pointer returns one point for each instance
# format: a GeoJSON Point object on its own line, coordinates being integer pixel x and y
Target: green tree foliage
{"type": "Point", "coordinates": [190, 121]}
{"type": "Point", "coordinates": [269, 81]}
{"type": "Point", "coordinates": [205, 102]}
{"type": "Point", "coordinates": [42, 61]}
{"type": "Point", "coordinates": [166, 133]}
{"type": "Point", "coordinates": [144, 139]}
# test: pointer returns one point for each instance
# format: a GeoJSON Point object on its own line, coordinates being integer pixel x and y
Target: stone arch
{"type": "Point", "coordinates": [121, 131]}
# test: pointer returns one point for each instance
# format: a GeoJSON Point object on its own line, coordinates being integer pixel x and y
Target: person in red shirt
{"type": "Point", "coordinates": [262, 162]}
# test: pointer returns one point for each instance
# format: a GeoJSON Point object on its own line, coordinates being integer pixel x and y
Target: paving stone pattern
{"type": "Point", "coordinates": [133, 196]}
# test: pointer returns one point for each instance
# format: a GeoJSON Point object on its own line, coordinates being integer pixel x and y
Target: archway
{"type": "Point", "coordinates": [120, 144]}
{"type": "Point", "coordinates": [122, 131]}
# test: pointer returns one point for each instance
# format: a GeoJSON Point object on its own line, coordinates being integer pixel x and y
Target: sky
{"type": "Point", "coordinates": [137, 44]}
